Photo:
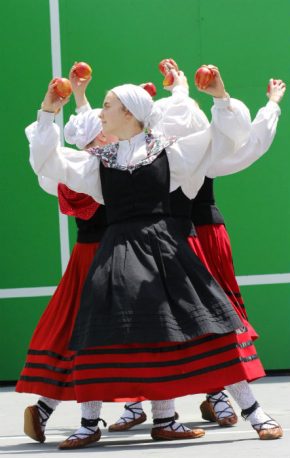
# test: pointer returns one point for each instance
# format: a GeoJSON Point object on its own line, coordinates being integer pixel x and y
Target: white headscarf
{"type": "Point", "coordinates": [139, 103]}
{"type": "Point", "coordinates": [84, 129]}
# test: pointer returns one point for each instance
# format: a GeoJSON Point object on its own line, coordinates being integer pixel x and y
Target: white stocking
{"type": "Point", "coordinates": [45, 407]}
{"type": "Point", "coordinates": [90, 416]}
{"type": "Point", "coordinates": [244, 397]}
{"type": "Point", "coordinates": [165, 410]}
{"type": "Point", "coordinates": [133, 410]}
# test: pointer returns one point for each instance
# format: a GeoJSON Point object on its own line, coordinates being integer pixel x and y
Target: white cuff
{"type": "Point", "coordinates": [222, 103]}
{"type": "Point", "coordinates": [274, 106]}
{"type": "Point", "coordinates": [45, 117]}
{"type": "Point", "coordinates": [180, 89]}
{"type": "Point", "coordinates": [84, 108]}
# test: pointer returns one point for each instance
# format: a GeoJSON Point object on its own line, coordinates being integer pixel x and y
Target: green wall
{"type": "Point", "coordinates": [124, 40]}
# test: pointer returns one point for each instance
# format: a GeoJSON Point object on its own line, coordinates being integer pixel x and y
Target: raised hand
{"type": "Point", "coordinates": [79, 86]}
{"type": "Point", "coordinates": [179, 80]}
{"type": "Point", "coordinates": [276, 90]}
{"type": "Point", "coordinates": [216, 87]}
{"type": "Point", "coordinates": [52, 102]}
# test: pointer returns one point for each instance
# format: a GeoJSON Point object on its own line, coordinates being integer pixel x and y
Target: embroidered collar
{"type": "Point", "coordinates": [108, 154]}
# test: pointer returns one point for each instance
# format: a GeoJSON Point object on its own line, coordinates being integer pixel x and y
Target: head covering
{"type": "Point", "coordinates": [84, 129]}
{"type": "Point", "coordinates": [139, 103]}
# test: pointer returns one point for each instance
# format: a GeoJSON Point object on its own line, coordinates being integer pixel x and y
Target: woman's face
{"type": "Point", "coordinates": [102, 140]}
{"type": "Point", "coordinates": [113, 115]}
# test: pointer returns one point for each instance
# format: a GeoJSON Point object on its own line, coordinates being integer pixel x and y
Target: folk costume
{"type": "Point", "coordinates": [206, 216]}
{"type": "Point", "coordinates": [139, 280]}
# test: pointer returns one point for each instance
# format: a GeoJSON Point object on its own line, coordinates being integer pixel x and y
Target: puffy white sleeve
{"type": "Point", "coordinates": [48, 185]}
{"type": "Point", "coordinates": [181, 115]}
{"type": "Point", "coordinates": [82, 128]}
{"type": "Point", "coordinates": [192, 156]}
{"type": "Point", "coordinates": [189, 158]}
{"type": "Point", "coordinates": [231, 119]}
{"type": "Point", "coordinates": [263, 130]}
{"type": "Point", "coordinates": [79, 170]}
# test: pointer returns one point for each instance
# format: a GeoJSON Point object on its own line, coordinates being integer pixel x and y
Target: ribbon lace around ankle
{"type": "Point", "coordinates": [260, 426]}
{"type": "Point", "coordinates": [227, 411]}
{"type": "Point", "coordinates": [136, 412]}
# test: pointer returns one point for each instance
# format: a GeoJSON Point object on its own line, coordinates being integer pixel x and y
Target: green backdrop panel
{"type": "Point", "coordinates": [127, 46]}
{"type": "Point", "coordinates": [124, 40]}
{"type": "Point", "coordinates": [18, 320]}
{"type": "Point", "coordinates": [268, 309]}
{"type": "Point", "coordinates": [29, 228]}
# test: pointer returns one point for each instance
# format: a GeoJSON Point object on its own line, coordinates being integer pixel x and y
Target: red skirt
{"type": "Point", "coordinates": [216, 247]}
{"type": "Point", "coordinates": [138, 372]}
{"type": "Point", "coordinates": [127, 372]}
{"type": "Point", "coordinates": [48, 367]}
{"type": "Point", "coordinates": [167, 370]}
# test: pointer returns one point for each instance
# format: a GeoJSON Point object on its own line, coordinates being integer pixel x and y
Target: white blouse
{"type": "Point", "coordinates": [189, 157]}
{"type": "Point", "coordinates": [181, 116]}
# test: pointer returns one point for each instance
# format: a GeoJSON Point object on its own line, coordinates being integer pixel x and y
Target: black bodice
{"type": "Point", "coordinates": [145, 192]}
{"type": "Point", "coordinates": [142, 192]}
{"type": "Point", "coordinates": [180, 207]}
{"type": "Point", "coordinates": [200, 211]}
{"type": "Point", "coordinates": [203, 209]}
{"type": "Point", "coordinates": [206, 193]}
{"type": "Point", "coordinates": [92, 230]}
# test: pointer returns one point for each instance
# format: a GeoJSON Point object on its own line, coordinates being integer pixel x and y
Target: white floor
{"type": "Point", "coordinates": [273, 393]}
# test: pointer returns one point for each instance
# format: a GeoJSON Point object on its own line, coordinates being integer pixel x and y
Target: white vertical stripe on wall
{"type": "Point", "coordinates": [57, 71]}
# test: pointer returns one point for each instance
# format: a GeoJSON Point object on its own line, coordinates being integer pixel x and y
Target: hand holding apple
{"type": "Point", "coordinates": [179, 79]}
{"type": "Point", "coordinates": [168, 68]}
{"type": "Point", "coordinates": [79, 86]}
{"type": "Point", "coordinates": [169, 79]}
{"type": "Point", "coordinates": [215, 86]}
{"type": "Point", "coordinates": [166, 65]}
{"type": "Point", "coordinates": [203, 77]}
{"type": "Point", "coordinates": [271, 83]}
{"type": "Point", "coordinates": [62, 87]}
{"type": "Point", "coordinates": [276, 90]}
{"type": "Point", "coordinates": [150, 88]}
{"type": "Point", "coordinates": [82, 70]}
{"type": "Point", "coordinates": [52, 101]}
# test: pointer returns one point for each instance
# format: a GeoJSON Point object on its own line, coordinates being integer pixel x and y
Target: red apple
{"type": "Point", "coordinates": [166, 65]}
{"type": "Point", "coordinates": [203, 77]}
{"type": "Point", "coordinates": [268, 87]}
{"type": "Point", "coordinates": [169, 79]}
{"type": "Point", "coordinates": [82, 70]}
{"type": "Point", "coordinates": [150, 88]}
{"type": "Point", "coordinates": [63, 87]}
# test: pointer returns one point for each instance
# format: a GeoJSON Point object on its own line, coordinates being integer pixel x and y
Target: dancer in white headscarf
{"type": "Point", "coordinates": [182, 116]}
{"type": "Point", "coordinates": [141, 296]}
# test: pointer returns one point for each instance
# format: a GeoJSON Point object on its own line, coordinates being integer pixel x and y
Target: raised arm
{"type": "Point", "coordinates": [79, 87]}
{"type": "Point", "coordinates": [190, 157]}
{"type": "Point", "coordinates": [78, 130]}
{"type": "Point", "coordinates": [263, 130]}
{"type": "Point", "coordinates": [77, 169]}
{"type": "Point", "coordinates": [181, 115]}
